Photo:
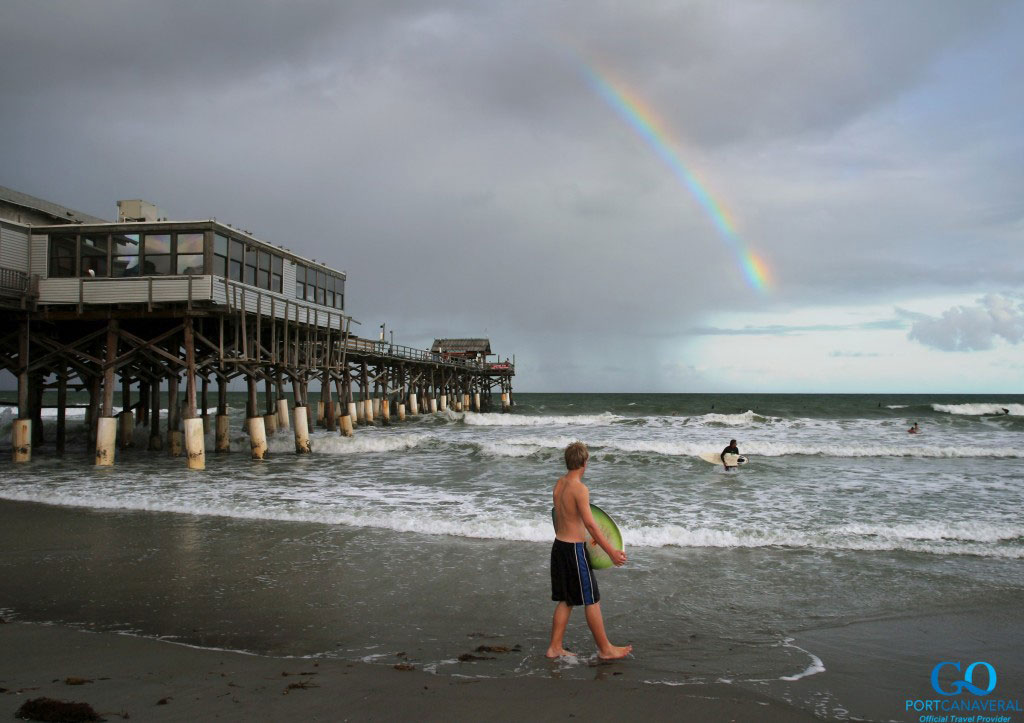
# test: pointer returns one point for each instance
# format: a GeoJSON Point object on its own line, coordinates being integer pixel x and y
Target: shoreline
{"type": "Point", "coordinates": [148, 679]}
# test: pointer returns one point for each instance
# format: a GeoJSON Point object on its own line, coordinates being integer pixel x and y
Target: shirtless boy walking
{"type": "Point", "coordinates": [572, 581]}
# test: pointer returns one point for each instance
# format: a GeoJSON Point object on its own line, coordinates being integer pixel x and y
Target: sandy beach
{"type": "Point", "coordinates": [144, 679]}
{"type": "Point", "coordinates": [790, 591]}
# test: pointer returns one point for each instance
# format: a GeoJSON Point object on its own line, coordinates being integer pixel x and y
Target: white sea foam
{"type": "Point", "coordinates": [896, 406]}
{"type": "Point", "coordinates": [514, 447]}
{"type": "Point", "coordinates": [516, 420]}
{"type": "Point", "coordinates": [477, 521]}
{"type": "Point", "coordinates": [975, 410]}
{"type": "Point", "coordinates": [729, 420]}
{"type": "Point", "coordinates": [937, 531]}
{"type": "Point", "coordinates": [336, 444]}
{"type": "Point", "coordinates": [816, 665]}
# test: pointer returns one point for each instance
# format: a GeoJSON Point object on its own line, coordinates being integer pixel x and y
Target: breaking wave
{"type": "Point", "coordinates": [982, 539]}
{"type": "Point", "coordinates": [515, 420]}
{"type": "Point", "coordinates": [975, 410]}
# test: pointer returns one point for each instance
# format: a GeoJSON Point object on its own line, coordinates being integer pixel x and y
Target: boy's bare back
{"type": "Point", "coordinates": [569, 495]}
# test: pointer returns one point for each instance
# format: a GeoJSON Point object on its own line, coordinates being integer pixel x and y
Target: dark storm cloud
{"type": "Point", "coordinates": [452, 158]}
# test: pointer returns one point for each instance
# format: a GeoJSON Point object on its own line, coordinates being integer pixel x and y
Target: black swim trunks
{"type": "Point", "coordinates": [571, 579]}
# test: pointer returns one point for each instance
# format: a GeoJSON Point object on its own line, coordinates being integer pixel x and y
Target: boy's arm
{"type": "Point", "coordinates": [583, 505]}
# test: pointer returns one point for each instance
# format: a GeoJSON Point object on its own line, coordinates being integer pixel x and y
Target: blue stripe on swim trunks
{"type": "Point", "coordinates": [583, 570]}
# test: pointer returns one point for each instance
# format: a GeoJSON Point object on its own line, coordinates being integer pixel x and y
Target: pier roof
{"type": "Point", "coordinates": [58, 213]}
{"type": "Point", "coordinates": [461, 346]}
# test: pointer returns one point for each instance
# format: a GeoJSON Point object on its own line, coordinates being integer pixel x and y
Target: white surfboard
{"type": "Point", "coordinates": [731, 460]}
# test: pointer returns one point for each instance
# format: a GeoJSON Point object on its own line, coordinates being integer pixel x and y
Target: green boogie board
{"type": "Point", "coordinates": [599, 559]}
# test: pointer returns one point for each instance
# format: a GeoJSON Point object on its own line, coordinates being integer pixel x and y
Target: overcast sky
{"type": "Point", "coordinates": [469, 167]}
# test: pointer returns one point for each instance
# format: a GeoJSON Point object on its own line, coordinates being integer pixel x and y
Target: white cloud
{"type": "Point", "coordinates": [972, 328]}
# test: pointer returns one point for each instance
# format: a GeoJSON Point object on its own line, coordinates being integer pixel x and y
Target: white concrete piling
{"type": "Point", "coordinates": [195, 443]}
{"type": "Point", "coordinates": [282, 414]}
{"type": "Point", "coordinates": [21, 440]}
{"type": "Point", "coordinates": [106, 437]}
{"type": "Point", "coordinates": [444, 402]}
{"type": "Point", "coordinates": [257, 437]}
{"type": "Point", "coordinates": [270, 424]}
{"type": "Point", "coordinates": [302, 431]}
{"type": "Point", "coordinates": [401, 412]}
{"type": "Point", "coordinates": [346, 426]}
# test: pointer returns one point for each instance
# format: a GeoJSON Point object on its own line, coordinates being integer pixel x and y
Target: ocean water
{"type": "Point", "coordinates": [422, 541]}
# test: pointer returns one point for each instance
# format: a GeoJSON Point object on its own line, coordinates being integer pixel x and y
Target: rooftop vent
{"type": "Point", "coordinates": [139, 210]}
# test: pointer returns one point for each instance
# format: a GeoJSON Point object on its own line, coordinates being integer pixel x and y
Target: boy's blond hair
{"type": "Point", "coordinates": [576, 455]}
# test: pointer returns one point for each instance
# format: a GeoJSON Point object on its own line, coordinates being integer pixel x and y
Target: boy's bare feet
{"type": "Point", "coordinates": [615, 652]}
{"type": "Point", "coordinates": [559, 653]}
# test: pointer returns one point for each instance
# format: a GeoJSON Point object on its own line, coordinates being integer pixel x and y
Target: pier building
{"type": "Point", "coordinates": [145, 304]}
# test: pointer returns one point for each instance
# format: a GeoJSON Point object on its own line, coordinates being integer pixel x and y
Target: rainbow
{"type": "Point", "coordinates": [643, 120]}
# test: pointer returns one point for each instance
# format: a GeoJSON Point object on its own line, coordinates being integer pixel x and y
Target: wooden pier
{"type": "Point", "coordinates": [190, 306]}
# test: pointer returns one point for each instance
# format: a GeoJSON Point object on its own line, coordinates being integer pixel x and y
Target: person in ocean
{"type": "Point", "coordinates": [914, 429]}
{"type": "Point", "coordinates": [572, 579]}
{"type": "Point", "coordinates": [731, 449]}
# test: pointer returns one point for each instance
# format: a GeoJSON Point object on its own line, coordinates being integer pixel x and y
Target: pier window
{"type": "Point", "coordinates": [330, 290]}
{"type": "Point", "coordinates": [126, 254]}
{"type": "Point", "coordinates": [156, 258]}
{"type": "Point", "coordinates": [93, 258]}
{"type": "Point", "coordinates": [189, 253]}
{"type": "Point", "coordinates": [63, 252]}
{"type": "Point", "coordinates": [237, 256]}
{"type": "Point", "coordinates": [277, 274]}
{"type": "Point", "coordinates": [300, 281]}
{"type": "Point", "coordinates": [220, 255]}
{"type": "Point", "coordinates": [339, 293]}
{"type": "Point", "coordinates": [321, 288]}
{"type": "Point", "coordinates": [250, 266]}
{"type": "Point", "coordinates": [263, 272]}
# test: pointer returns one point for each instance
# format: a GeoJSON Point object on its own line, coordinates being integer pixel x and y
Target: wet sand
{"type": "Point", "coordinates": [144, 679]}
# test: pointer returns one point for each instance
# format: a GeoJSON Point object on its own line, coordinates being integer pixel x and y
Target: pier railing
{"type": "Point", "coordinates": [236, 297]}
{"type": "Point", "coordinates": [11, 280]}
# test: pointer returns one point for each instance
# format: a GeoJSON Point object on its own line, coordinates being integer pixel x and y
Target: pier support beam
{"type": "Point", "coordinates": [106, 427]}
{"type": "Point", "coordinates": [344, 417]}
{"type": "Point", "coordinates": [175, 445]}
{"type": "Point", "coordinates": [270, 413]}
{"type": "Point", "coordinates": [195, 442]}
{"type": "Point", "coordinates": [21, 432]}
{"type": "Point", "coordinates": [222, 441]}
{"type": "Point", "coordinates": [254, 422]}
{"type": "Point", "coordinates": [282, 414]}
{"type": "Point", "coordinates": [62, 409]}
{"type": "Point", "coordinates": [156, 442]}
